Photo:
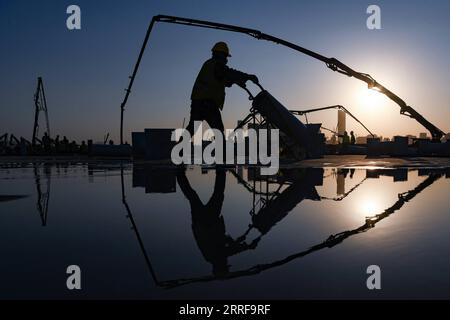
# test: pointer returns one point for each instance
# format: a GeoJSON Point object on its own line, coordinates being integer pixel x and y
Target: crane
{"type": "Point", "coordinates": [331, 63]}
{"type": "Point", "coordinates": [40, 104]}
{"type": "Point", "coordinates": [339, 107]}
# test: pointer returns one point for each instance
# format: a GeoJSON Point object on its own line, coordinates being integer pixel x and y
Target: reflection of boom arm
{"type": "Point", "coordinates": [331, 63]}
{"type": "Point", "coordinates": [343, 196]}
{"type": "Point", "coordinates": [330, 242]}
{"type": "Point", "coordinates": [135, 228]}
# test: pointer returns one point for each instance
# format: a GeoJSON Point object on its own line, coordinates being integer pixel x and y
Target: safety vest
{"type": "Point", "coordinates": [346, 139]}
{"type": "Point", "coordinates": [207, 86]}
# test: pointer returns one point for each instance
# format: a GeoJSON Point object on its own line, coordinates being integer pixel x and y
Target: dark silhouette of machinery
{"type": "Point", "coordinates": [339, 107]}
{"type": "Point", "coordinates": [9, 143]}
{"type": "Point", "coordinates": [331, 63]}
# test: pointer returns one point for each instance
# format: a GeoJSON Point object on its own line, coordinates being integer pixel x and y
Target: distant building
{"type": "Point", "coordinates": [361, 140]}
{"type": "Point", "coordinates": [341, 122]}
{"type": "Point", "coordinates": [411, 138]}
{"type": "Point", "coordinates": [332, 140]}
{"type": "Point", "coordinates": [423, 135]}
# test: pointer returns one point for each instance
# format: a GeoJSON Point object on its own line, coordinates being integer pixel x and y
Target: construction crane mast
{"type": "Point", "coordinates": [331, 63]}
{"type": "Point", "coordinates": [40, 104]}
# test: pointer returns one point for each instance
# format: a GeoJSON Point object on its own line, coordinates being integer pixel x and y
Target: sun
{"type": "Point", "coordinates": [369, 207]}
{"type": "Point", "coordinates": [370, 98]}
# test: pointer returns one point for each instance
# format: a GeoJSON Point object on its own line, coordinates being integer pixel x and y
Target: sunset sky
{"type": "Point", "coordinates": [85, 72]}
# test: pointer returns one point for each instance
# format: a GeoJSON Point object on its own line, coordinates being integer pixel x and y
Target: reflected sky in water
{"type": "Point", "coordinates": [157, 233]}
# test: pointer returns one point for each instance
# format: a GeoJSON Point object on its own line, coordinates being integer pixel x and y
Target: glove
{"type": "Point", "coordinates": [253, 78]}
{"type": "Point", "coordinates": [241, 84]}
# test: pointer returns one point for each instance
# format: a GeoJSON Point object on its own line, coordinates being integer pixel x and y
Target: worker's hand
{"type": "Point", "coordinates": [241, 84]}
{"type": "Point", "coordinates": [253, 78]}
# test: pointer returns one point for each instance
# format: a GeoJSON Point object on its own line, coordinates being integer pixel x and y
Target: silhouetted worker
{"type": "Point", "coordinates": [345, 139]}
{"type": "Point", "coordinates": [46, 142]}
{"type": "Point", "coordinates": [352, 172]}
{"type": "Point", "coordinates": [73, 147]}
{"type": "Point", "coordinates": [57, 146]}
{"type": "Point", "coordinates": [208, 93]}
{"type": "Point", "coordinates": [352, 138]}
{"type": "Point", "coordinates": [64, 144]}
{"type": "Point", "coordinates": [208, 224]}
{"type": "Point", "coordinates": [83, 147]}
{"type": "Point", "coordinates": [344, 172]}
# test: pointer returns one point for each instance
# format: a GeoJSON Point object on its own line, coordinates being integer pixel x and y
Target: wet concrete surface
{"type": "Point", "coordinates": [327, 161]}
{"type": "Point", "coordinates": [145, 232]}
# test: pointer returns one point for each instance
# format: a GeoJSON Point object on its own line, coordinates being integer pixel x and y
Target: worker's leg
{"type": "Point", "coordinates": [214, 204]}
{"type": "Point", "coordinates": [197, 114]}
{"type": "Point", "coordinates": [214, 120]}
{"type": "Point", "coordinates": [188, 192]}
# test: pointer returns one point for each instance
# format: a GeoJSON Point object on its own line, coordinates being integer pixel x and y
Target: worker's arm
{"type": "Point", "coordinates": [232, 76]}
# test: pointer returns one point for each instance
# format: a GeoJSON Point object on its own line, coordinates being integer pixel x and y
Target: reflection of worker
{"type": "Point", "coordinates": [208, 93]}
{"type": "Point", "coordinates": [352, 137]}
{"type": "Point", "coordinates": [208, 224]}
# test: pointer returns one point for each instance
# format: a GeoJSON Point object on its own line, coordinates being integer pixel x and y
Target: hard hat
{"type": "Point", "coordinates": [221, 47]}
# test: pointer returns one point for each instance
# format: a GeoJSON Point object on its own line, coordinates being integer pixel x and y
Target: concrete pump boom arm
{"type": "Point", "coordinates": [331, 63]}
